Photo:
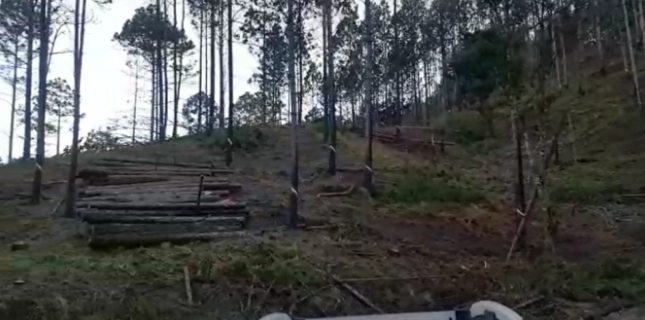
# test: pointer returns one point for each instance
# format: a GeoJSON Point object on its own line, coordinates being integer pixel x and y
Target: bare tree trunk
{"type": "Point", "coordinates": [598, 33]}
{"type": "Point", "coordinates": [26, 151]}
{"type": "Point", "coordinates": [201, 65]}
{"type": "Point", "coordinates": [153, 98]}
{"type": "Point", "coordinates": [324, 78]}
{"type": "Point", "coordinates": [160, 74]}
{"type": "Point", "coordinates": [136, 98]}
{"type": "Point", "coordinates": [42, 99]}
{"type": "Point", "coordinates": [14, 88]}
{"type": "Point", "coordinates": [175, 74]}
{"type": "Point", "coordinates": [368, 171]}
{"type": "Point", "coordinates": [222, 84]}
{"type": "Point", "coordinates": [554, 49]}
{"type": "Point", "coordinates": [211, 111]}
{"type": "Point", "coordinates": [79, 42]}
{"type": "Point", "coordinates": [565, 74]}
{"type": "Point", "coordinates": [331, 91]}
{"type": "Point", "coordinates": [229, 130]}
{"type": "Point", "coordinates": [642, 23]}
{"type": "Point", "coordinates": [631, 58]}
{"type": "Point", "coordinates": [291, 78]}
{"type": "Point", "coordinates": [166, 86]}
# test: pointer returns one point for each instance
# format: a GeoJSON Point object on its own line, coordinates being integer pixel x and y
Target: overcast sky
{"type": "Point", "coordinates": [107, 91]}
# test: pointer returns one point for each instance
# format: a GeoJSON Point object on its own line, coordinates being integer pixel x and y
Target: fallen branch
{"type": "Point", "coordinates": [390, 278]}
{"type": "Point", "coordinates": [189, 291]}
{"type": "Point", "coordinates": [357, 295]}
{"type": "Point", "coordinates": [336, 194]}
{"type": "Point", "coordinates": [529, 302]}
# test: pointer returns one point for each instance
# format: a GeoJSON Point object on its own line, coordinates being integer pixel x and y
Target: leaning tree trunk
{"type": "Point", "coordinates": [293, 197]}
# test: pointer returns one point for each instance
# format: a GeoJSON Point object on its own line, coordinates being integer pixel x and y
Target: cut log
{"type": "Point", "coordinates": [211, 186]}
{"type": "Point", "coordinates": [126, 181]}
{"type": "Point", "coordinates": [147, 228]}
{"type": "Point", "coordinates": [109, 194]}
{"type": "Point", "coordinates": [151, 197]}
{"type": "Point", "coordinates": [162, 170]}
{"type": "Point", "coordinates": [136, 240]}
{"type": "Point", "coordinates": [158, 185]}
{"type": "Point", "coordinates": [165, 207]}
{"type": "Point", "coordinates": [98, 218]}
{"type": "Point", "coordinates": [156, 213]}
{"type": "Point", "coordinates": [157, 163]}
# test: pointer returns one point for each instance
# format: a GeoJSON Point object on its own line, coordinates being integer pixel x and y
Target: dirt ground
{"type": "Point", "coordinates": [402, 258]}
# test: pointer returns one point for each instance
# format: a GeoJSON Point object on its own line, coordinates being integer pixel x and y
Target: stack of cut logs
{"type": "Point", "coordinates": [409, 138]}
{"type": "Point", "coordinates": [132, 203]}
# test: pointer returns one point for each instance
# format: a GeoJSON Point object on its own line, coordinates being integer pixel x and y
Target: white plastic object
{"type": "Point", "coordinates": [476, 309]}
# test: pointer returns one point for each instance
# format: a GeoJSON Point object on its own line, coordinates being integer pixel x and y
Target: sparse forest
{"type": "Point", "coordinates": [405, 155]}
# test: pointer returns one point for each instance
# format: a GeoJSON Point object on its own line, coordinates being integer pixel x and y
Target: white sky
{"type": "Point", "coordinates": [106, 90]}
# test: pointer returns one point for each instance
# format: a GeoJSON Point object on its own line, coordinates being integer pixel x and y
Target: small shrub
{"type": "Point", "coordinates": [423, 187]}
{"type": "Point", "coordinates": [243, 138]}
{"type": "Point", "coordinates": [584, 189]}
{"type": "Point", "coordinates": [614, 278]}
{"type": "Point", "coordinates": [466, 127]}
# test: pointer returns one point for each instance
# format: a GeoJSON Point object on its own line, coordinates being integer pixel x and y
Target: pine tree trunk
{"type": "Point", "coordinates": [211, 110]}
{"type": "Point", "coordinates": [42, 100]}
{"type": "Point", "coordinates": [160, 74]}
{"type": "Point", "coordinates": [554, 49]}
{"type": "Point", "coordinates": [222, 83]}
{"type": "Point", "coordinates": [229, 130]}
{"type": "Point", "coordinates": [324, 78]}
{"type": "Point", "coordinates": [136, 98]}
{"type": "Point", "coordinates": [175, 74]}
{"type": "Point", "coordinates": [293, 196]}
{"type": "Point", "coordinates": [598, 33]}
{"type": "Point", "coordinates": [26, 151]}
{"type": "Point", "coordinates": [79, 42]}
{"type": "Point", "coordinates": [331, 91]}
{"type": "Point", "coordinates": [14, 87]}
{"type": "Point", "coordinates": [201, 69]}
{"type": "Point", "coordinates": [153, 98]}
{"type": "Point", "coordinates": [368, 184]}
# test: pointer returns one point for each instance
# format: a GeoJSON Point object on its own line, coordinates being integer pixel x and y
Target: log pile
{"type": "Point", "coordinates": [419, 139]}
{"type": "Point", "coordinates": [132, 203]}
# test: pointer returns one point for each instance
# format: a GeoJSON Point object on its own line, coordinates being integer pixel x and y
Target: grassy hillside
{"type": "Point", "coordinates": [435, 236]}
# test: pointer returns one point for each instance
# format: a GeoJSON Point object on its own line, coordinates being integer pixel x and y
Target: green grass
{"type": "Point", "coordinates": [613, 278]}
{"type": "Point", "coordinates": [430, 187]}
{"type": "Point", "coordinates": [585, 184]}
